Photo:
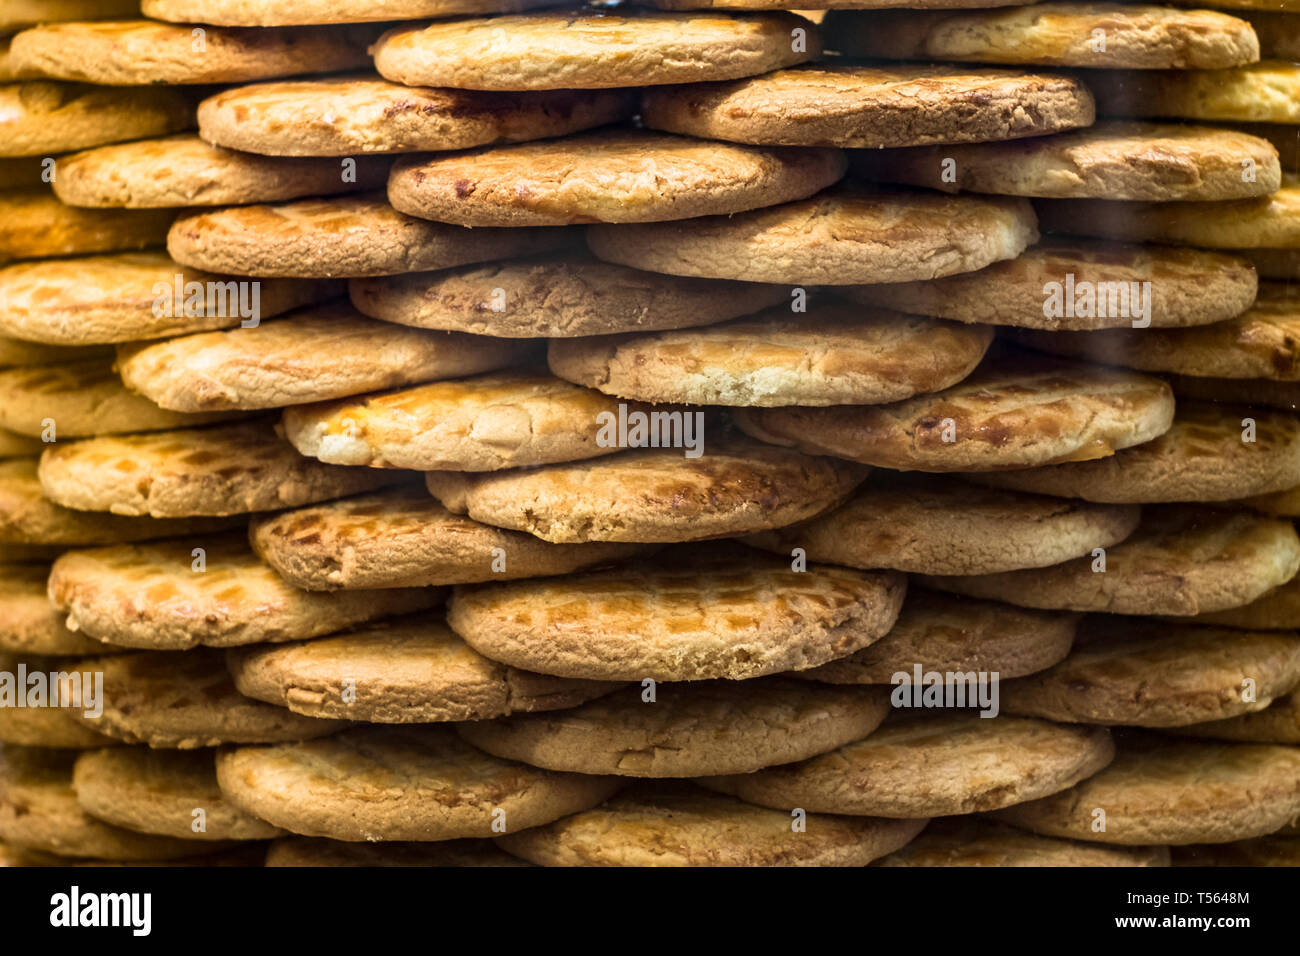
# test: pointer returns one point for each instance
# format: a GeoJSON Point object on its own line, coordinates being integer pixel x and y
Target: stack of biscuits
{"type": "Point", "coordinates": [486, 432]}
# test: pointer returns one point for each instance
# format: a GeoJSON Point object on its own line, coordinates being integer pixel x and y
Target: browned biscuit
{"type": "Point", "coordinates": [183, 170]}
{"type": "Point", "coordinates": [556, 296]}
{"type": "Point", "coordinates": [28, 624]}
{"type": "Point", "coordinates": [170, 793]}
{"type": "Point", "coordinates": [938, 525]}
{"type": "Point", "coordinates": [1015, 411]}
{"type": "Point", "coordinates": [1054, 34]}
{"type": "Point", "coordinates": [399, 783]}
{"type": "Point", "coordinates": [937, 764]}
{"type": "Point", "coordinates": [1186, 286]}
{"type": "Point", "coordinates": [1261, 851]}
{"type": "Point", "coordinates": [166, 597]}
{"type": "Point", "coordinates": [402, 537]}
{"type": "Point", "coordinates": [269, 13]}
{"type": "Point", "coordinates": [593, 49]}
{"type": "Point", "coordinates": [1111, 160]}
{"type": "Point", "coordinates": [1278, 723]}
{"type": "Point", "coordinates": [690, 615]}
{"type": "Point", "coordinates": [311, 851]}
{"type": "Point", "coordinates": [844, 236]}
{"type": "Point", "coordinates": [404, 671]}
{"type": "Point", "coordinates": [832, 354]}
{"type": "Point", "coordinates": [40, 118]}
{"type": "Point", "coordinates": [361, 113]}
{"type": "Point", "coordinates": [1210, 453]}
{"type": "Point", "coordinates": [312, 355]}
{"type": "Point", "coordinates": [185, 701]}
{"type": "Point", "coordinates": [651, 495]}
{"type": "Point", "coordinates": [132, 296]}
{"type": "Point", "coordinates": [1174, 792]}
{"type": "Point", "coordinates": [1263, 92]}
{"type": "Point", "coordinates": [225, 470]}
{"type": "Point", "coordinates": [870, 107]}
{"type": "Point", "coordinates": [677, 824]}
{"type": "Point", "coordinates": [979, 841]}
{"type": "Point", "coordinates": [687, 730]}
{"type": "Point", "coordinates": [37, 225]}
{"type": "Point", "coordinates": [1146, 673]}
{"type": "Point", "coordinates": [1181, 561]}
{"type": "Point", "coordinates": [346, 236]}
{"type": "Point", "coordinates": [21, 14]}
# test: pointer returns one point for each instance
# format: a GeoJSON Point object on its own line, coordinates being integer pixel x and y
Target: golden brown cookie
{"type": "Point", "coordinates": [708, 612]}
{"type": "Point", "coordinates": [269, 13]}
{"type": "Point", "coordinates": [165, 597]}
{"type": "Point", "coordinates": [1053, 34]}
{"type": "Point", "coordinates": [37, 225]}
{"type": "Point", "coordinates": [225, 470]}
{"type": "Point", "coordinates": [310, 851]}
{"type": "Point", "coordinates": [1278, 723]}
{"type": "Point", "coordinates": [1147, 673]}
{"type": "Point", "coordinates": [871, 106]}
{"type": "Point", "coordinates": [1056, 284]}
{"type": "Point", "coordinates": [402, 537]}
{"type": "Point", "coordinates": [399, 783]}
{"type": "Point", "coordinates": [361, 113]}
{"type": "Point", "coordinates": [1182, 560]}
{"type": "Point", "coordinates": [345, 236]}
{"type": "Point", "coordinates": [411, 670]}
{"type": "Point", "coordinates": [591, 49]}
{"type": "Point", "coordinates": [832, 354]}
{"type": "Point", "coordinates": [1015, 411]}
{"type": "Point", "coordinates": [844, 236]}
{"type": "Point", "coordinates": [311, 355]}
{"type": "Point", "coordinates": [1210, 453]}
{"type": "Point", "coordinates": [28, 624]}
{"type": "Point", "coordinates": [556, 296]}
{"type": "Point", "coordinates": [40, 118]}
{"type": "Point", "coordinates": [677, 824]}
{"type": "Point", "coordinates": [939, 525]}
{"type": "Point", "coordinates": [979, 841]}
{"type": "Point", "coordinates": [1263, 92]}
{"type": "Point", "coordinates": [171, 793]}
{"type": "Point", "coordinates": [937, 764]}
{"type": "Point", "coordinates": [1165, 791]}
{"type": "Point", "coordinates": [735, 487]}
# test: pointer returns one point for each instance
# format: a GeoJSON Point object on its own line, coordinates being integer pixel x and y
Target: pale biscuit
{"type": "Point", "coordinates": [556, 296]}
{"type": "Point", "coordinates": [183, 170]}
{"type": "Point", "coordinates": [403, 537]}
{"type": "Point", "coordinates": [79, 400]}
{"type": "Point", "coordinates": [361, 113]}
{"type": "Point", "coordinates": [1162, 791]}
{"type": "Point", "coordinates": [224, 470]}
{"type": "Point", "coordinates": [1111, 160]}
{"type": "Point", "coordinates": [1261, 851]}
{"type": "Point", "coordinates": [948, 634]}
{"type": "Point", "coordinates": [187, 701]}
{"type": "Point", "coordinates": [591, 49]}
{"type": "Point", "coordinates": [40, 118]}
{"type": "Point", "coordinates": [313, 355]}
{"type": "Point", "coordinates": [1182, 560]}
{"type": "Point", "coordinates": [270, 13]}
{"type": "Point", "coordinates": [844, 236]}
{"type": "Point", "coordinates": [677, 824]}
{"type": "Point", "coordinates": [870, 107]}
{"type": "Point", "coordinates": [28, 624]}
{"type": "Point", "coordinates": [1052, 34]}
{"type": "Point", "coordinates": [398, 783]}
{"type": "Point", "coordinates": [145, 52]}
{"type": "Point", "coordinates": [403, 671]}
{"type": "Point", "coordinates": [979, 841]}
{"type": "Point", "coordinates": [345, 236]}
{"type": "Point", "coordinates": [938, 764]}
{"type": "Point", "coordinates": [1279, 723]}
{"type": "Point", "coordinates": [1278, 609]}
{"type": "Point", "coordinates": [939, 525]}
{"type": "Point", "coordinates": [652, 495]}
{"type": "Point", "coordinates": [37, 225]}
{"type": "Point", "coordinates": [509, 419]}
{"type": "Point", "coordinates": [1015, 411]}
{"type": "Point", "coordinates": [1264, 92]}
{"type": "Point", "coordinates": [310, 851]}
{"type": "Point", "coordinates": [607, 176]}
{"type": "Point", "coordinates": [692, 615]}
{"type": "Point", "coordinates": [132, 296]}
{"type": "Point", "coordinates": [1146, 673]}
{"type": "Point", "coordinates": [159, 791]}
{"type": "Point", "coordinates": [1055, 284]}
{"type": "Point", "coordinates": [688, 730]}
{"type": "Point", "coordinates": [158, 596]}
{"type": "Point", "coordinates": [1210, 453]}
{"type": "Point", "coordinates": [832, 354]}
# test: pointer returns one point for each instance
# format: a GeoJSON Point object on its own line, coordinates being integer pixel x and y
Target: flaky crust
{"type": "Point", "coordinates": [38, 118]}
